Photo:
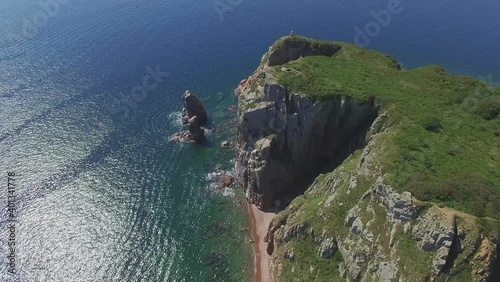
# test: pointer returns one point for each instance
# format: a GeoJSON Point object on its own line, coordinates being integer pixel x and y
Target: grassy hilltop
{"type": "Point", "coordinates": [445, 148]}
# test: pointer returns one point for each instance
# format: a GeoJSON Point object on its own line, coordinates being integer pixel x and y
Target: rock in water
{"type": "Point", "coordinates": [194, 116]}
{"type": "Point", "coordinates": [193, 107]}
{"type": "Point", "coordinates": [225, 180]}
{"type": "Point", "coordinates": [194, 128]}
{"type": "Point", "coordinates": [226, 144]}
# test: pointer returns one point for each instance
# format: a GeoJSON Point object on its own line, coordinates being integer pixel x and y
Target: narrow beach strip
{"type": "Point", "coordinates": [259, 224]}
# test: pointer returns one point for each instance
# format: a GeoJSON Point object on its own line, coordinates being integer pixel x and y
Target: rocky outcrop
{"type": "Point", "coordinates": [194, 117]}
{"type": "Point", "coordinates": [285, 139]}
{"type": "Point", "coordinates": [434, 233]}
{"type": "Point", "coordinates": [383, 235]}
{"type": "Point", "coordinates": [489, 256]}
{"type": "Point", "coordinates": [399, 205]}
{"type": "Point", "coordinates": [193, 107]}
{"type": "Point", "coordinates": [327, 248]}
{"type": "Point", "coordinates": [195, 129]}
{"type": "Point", "coordinates": [225, 181]}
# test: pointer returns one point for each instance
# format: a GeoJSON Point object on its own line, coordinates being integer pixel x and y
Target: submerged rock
{"type": "Point", "coordinates": [225, 180]}
{"type": "Point", "coordinates": [226, 144]}
{"type": "Point", "coordinates": [232, 109]}
{"type": "Point", "coordinates": [221, 182]}
{"type": "Point", "coordinates": [182, 137]}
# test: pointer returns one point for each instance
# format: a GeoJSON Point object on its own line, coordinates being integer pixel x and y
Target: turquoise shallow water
{"type": "Point", "coordinates": [101, 195]}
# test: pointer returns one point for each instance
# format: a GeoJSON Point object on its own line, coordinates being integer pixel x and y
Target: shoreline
{"type": "Point", "coordinates": [259, 224]}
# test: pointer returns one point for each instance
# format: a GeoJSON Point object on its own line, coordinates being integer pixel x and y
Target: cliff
{"type": "Point", "coordinates": [401, 175]}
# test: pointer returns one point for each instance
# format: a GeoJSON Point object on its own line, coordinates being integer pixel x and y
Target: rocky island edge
{"type": "Point", "coordinates": [384, 174]}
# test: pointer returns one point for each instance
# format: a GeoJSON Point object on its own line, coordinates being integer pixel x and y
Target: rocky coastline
{"type": "Point", "coordinates": [319, 160]}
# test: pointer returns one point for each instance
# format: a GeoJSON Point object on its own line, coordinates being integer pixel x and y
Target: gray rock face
{"type": "Point", "coordinates": [193, 107]}
{"type": "Point", "coordinates": [327, 248]}
{"type": "Point", "coordinates": [432, 233]}
{"type": "Point", "coordinates": [387, 271]}
{"type": "Point", "coordinates": [296, 231]}
{"type": "Point", "coordinates": [195, 129]}
{"type": "Point", "coordinates": [289, 255]}
{"type": "Point", "coordinates": [354, 259]}
{"type": "Point", "coordinates": [400, 206]}
{"type": "Point", "coordinates": [194, 116]}
{"type": "Point", "coordinates": [283, 138]}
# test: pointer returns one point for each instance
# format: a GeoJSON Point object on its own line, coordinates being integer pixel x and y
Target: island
{"type": "Point", "coordinates": [380, 173]}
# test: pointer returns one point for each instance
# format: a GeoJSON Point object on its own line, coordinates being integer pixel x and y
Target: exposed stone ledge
{"type": "Point", "coordinates": [399, 205]}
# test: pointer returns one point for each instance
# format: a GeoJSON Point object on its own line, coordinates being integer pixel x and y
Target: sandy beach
{"type": "Point", "coordinates": [258, 229]}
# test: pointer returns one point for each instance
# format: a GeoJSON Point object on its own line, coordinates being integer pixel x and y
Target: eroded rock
{"type": "Point", "coordinates": [327, 248]}
{"type": "Point", "coordinates": [194, 117]}
{"type": "Point", "coordinates": [435, 233]}
{"type": "Point", "coordinates": [284, 138]}
{"type": "Point", "coordinates": [400, 205]}
{"type": "Point", "coordinates": [193, 107]}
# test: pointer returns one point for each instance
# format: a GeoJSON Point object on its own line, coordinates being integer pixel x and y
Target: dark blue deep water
{"type": "Point", "coordinates": [102, 196]}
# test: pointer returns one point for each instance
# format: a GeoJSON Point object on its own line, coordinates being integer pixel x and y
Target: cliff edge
{"type": "Point", "coordinates": [386, 174]}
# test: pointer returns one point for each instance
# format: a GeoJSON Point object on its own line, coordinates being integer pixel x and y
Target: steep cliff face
{"type": "Point", "coordinates": [284, 139]}
{"type": "Point", "coordinates": [350, 226]}
{"type": "Point", "coordinates": [356, 221]}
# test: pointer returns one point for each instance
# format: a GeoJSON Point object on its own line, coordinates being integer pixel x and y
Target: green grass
{"type": "Point", "coordinates": [443, 148]}
{"type": "Point", "coordinates": [310, 267]}
{"type": "Point", "coordinates": [294, 41]}
{"type": "Point", "coordinates": [413, 260]}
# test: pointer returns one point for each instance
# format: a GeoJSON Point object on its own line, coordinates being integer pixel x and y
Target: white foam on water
{"type": "Point", "coordinates": [175, 119]}
{"type": "Point", "coordinates": [213, 179]}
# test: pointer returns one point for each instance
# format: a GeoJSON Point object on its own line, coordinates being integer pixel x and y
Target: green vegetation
{"type": "Point", "coordinates": [313, 268]}
{"type": "Point", "coordinates": [413, 260]}
{"type": "Point", "coordinates": [444, 143]}
{"type": "Point", "coordinates": [294, 41]}
{"type": "Point", "coordinates": [316, 212]}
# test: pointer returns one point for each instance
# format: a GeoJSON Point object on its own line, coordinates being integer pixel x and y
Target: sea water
{"type": "Point", "coordinates": [91, 90]}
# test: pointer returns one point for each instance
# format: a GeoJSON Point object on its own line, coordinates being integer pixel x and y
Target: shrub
{"type": "Point", "coordinates": [489, 108]}
{"type": "Point", "coordinates": [471, 193]}
{"type": "Point", "coordinates": [432, 124]}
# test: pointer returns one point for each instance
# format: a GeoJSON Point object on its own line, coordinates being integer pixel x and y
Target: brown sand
{"type": "Point", "coordinates": [259, 224]}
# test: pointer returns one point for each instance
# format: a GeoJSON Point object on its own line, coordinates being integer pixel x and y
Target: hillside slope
{"type": "Point", "coordinates": [400, 168]}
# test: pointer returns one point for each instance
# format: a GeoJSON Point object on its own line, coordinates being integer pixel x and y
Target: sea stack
{"type": "Point", "coordinates": [193, 107]}
{"type": "Point", "coordinates": [195, 117]}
